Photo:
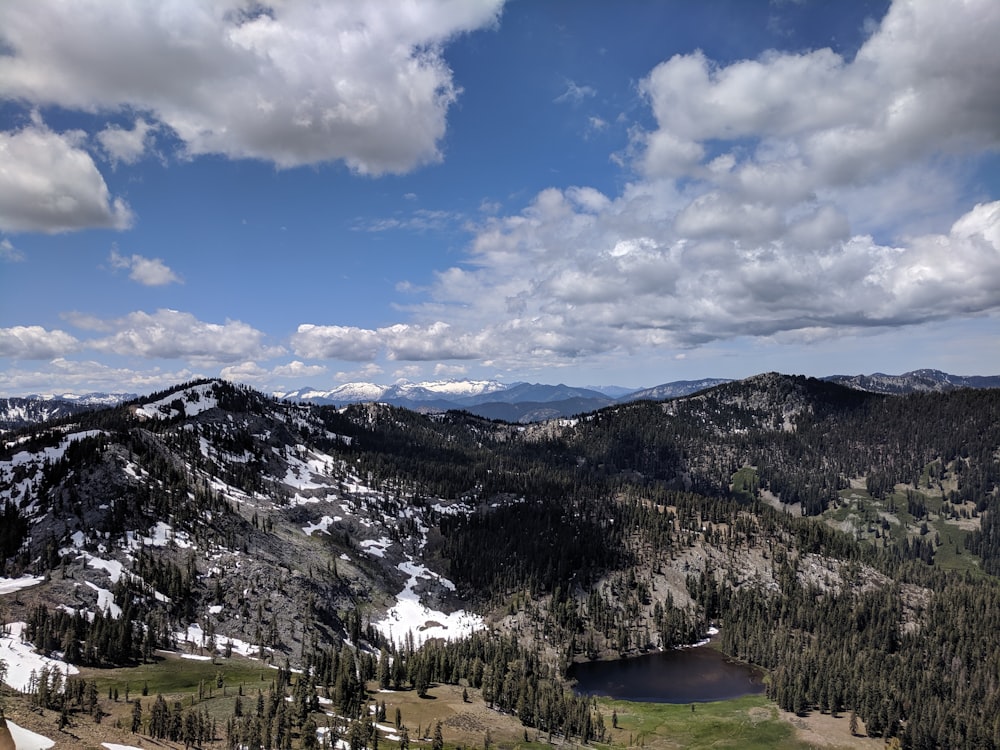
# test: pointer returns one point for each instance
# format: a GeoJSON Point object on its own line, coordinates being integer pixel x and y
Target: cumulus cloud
{"type": "Point", "coordinates": [370, 371]}
{"type": "Point", "coordinates": [450, 371]}
{"type": "Point", "coordinates": [35, 342]}
{"type": "Point", "coordinates": [797, 195]}
{"type": "Point", "coordinates": [335, 342]}
{"type": "Point", "coordinates": [126, 145]}
{"type": "Point", "coordinates": [297, 369]}
{"type": "Point", "coordinates": [290, 83]}
{"type": "Point", "coordinates": [402, 341]}
{"type": "Point", "coordinates": [576, 285]}
{"type": "Point", "coordinates": [145, 271]}
{"type": "Point", "coordinates": [170, 334]}
{"type": "Point", "coordinates": [61, 375]}
{"type": "Point", "coordinates": [251, 372]}
{"type": "Point", "coordinates": [49, 183]}
{"type": "Point", "coordinates": [924, 81]}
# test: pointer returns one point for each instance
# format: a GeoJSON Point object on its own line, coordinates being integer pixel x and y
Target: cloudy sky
{"type": "Point", "coordinates": [315, 192]}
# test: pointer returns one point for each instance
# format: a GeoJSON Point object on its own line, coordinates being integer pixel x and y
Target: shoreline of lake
{"type": "Point", "coordinates": [691, 674]}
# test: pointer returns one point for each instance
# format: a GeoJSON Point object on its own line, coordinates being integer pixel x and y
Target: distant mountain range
{"type": "Point", "coordinates": [911, 382]}
{"type": "Point", "coordinates": [534, 402]}
{"type": "Point", "coordinates": [517, 402]}
{"type": "Point", "coordinates": [20, 411]}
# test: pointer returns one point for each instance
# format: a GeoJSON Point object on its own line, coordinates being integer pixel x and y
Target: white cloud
{"type": "Point", "coordinates": [369, 372]}
{"type": "Point", "coordinates": [421, 220]}
{"type": "Point", "coordinates": [397, 342]}
{"type": "Point", "coordinates": [251, 372]}
{"type": "Point", "coordinates": [335, 342]}
{"type": "Point", "coordinates": [245, 372]}
{"type": "Point", "coordinates": [126, 146]}
{"type": "Point", "coordinates": [923, 83]}
{"type": "Point", "coordinates": [577, 285]}
{"type": "Point", "coordinates": [596, 124]}
{"type": "Point", "coordinates": [10, 253]}
{"type": "Point", "coordinates": [50, 184]}
{"type": "Point", "coordinates": [297, 369]}
{"type": "Point", "coordinates": [574, 93]}
{"type": "Point", "coordinates": [410, 372]}
{"type": "Point", "coordinates": [817, 198]}
{"type": "Point", "coordinates": [62, 375]}
{"type": "Point", "coordinates": [170, 334]}
{"type": "Point", "coordinates": [290, 83]}
{"type": "Point", "coordinates": [145, 271]}
{"type": "Point", "coordinates": [435, 341]}
{"type": "Point", "coordinates": [450, 371]}
{"type": "Point", "coordinates": [35, 342]}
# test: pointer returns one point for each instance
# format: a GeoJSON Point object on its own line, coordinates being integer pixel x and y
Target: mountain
{"type": "Point", "coordinates": [915, 381]}
{"type": "Point", "coordinates": [837, 538]}
{"type": "Point", "coordinates": [402, 393]}
{"type": "Point", "coordinates": [522, 403]}
{"type": "Point", "coordinates": [19, 412]}
{"type": "Point", "coordinates": [525, 403]}
{"type": "Point", "coordinates": [673, 390]}
{"type": "Point", "coordinates": [488, 398]}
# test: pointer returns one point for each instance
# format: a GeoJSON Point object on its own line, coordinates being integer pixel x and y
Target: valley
{"type": "Point", "coordinates": [210, 538]}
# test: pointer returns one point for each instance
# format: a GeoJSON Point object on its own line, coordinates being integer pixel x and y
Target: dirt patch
{"type": "Point", "coordinates": [462, 723]}
{"type": "Point", "coordinates": [826, 731]}
{"type": "Point", "coordinates": [466, 722]}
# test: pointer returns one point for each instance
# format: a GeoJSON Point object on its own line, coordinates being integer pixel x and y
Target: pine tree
{"type": "Point", "coordinates": [136, 716]}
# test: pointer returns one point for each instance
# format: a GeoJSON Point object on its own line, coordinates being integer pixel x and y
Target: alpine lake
{"type": "Point", "coordinates": [697, 674]}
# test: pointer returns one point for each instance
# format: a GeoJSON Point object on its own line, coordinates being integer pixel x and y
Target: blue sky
{"type": "Point", "coordinates": [314, 193]}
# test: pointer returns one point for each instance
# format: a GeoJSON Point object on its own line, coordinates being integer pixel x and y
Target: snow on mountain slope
{"type": "Point", "coordinates": [22, 661]}
{"type": "Point", "coordinates": [403, 390]}
{"type": "Point", "coordinates": [451, 388]}
{"type": "Point", "coordinates": [193, 400]}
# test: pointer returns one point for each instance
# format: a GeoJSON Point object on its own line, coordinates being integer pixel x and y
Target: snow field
{"type": "Point", "coordinates": [25, 739]}
{"type": "Point", "coordinates": [409, 614]}
{"type": "Point", "coordinates": [10, 585]}
{"type": "Point", "coordinates": [21, 660]}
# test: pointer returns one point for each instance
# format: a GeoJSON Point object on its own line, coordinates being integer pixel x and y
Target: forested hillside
{"type": "Point", "coordinates": [845, 541]}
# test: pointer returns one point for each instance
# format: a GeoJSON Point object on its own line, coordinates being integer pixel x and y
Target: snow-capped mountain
{"type": "Point", "coordinates": [20, 411]}
{"type": "Point", "coordinates": [90, 399]}
{"type": "Point", "coordinates": [353, 393]}
{"type": "Point", "coordinates": [246, 469]}
{"type": "Point", "coordinates": [534, 402]}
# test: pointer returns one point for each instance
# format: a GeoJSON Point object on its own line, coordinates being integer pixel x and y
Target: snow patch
{"type": "Point", "coordinates": [106, 601]}
{"type": "Point", "coordinates": [25, 739]}
{"type": "Point", "coordinates": [21, 660]}
{"type": "Point", "coordinates": [376, 547]}
{"type": "Point", "coordinates": [10, 585]}
{"type": "Point", "coordinates": [323, 525]}
{"type": "Point", "coordinates": [195, 400]}
{"type": "Point", "coordinates": [410, 615]}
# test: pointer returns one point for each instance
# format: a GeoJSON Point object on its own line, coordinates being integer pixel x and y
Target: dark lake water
{"type": "Point", "coordinates": [687, 675]}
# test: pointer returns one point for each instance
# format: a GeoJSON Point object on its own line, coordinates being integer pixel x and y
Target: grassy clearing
{"type": "Point", "coordinates": [748, 723]}
{"type": "Point", "coordinates": [182, 680]}
{"type": "Point", "coordinates": [865, 516]}
{"type": "Point", "coordinates": [174, 676]}
{"type": "Point", "coordinates": [745, 482]}
{"type": "Point", "coordinates": [751, 722]}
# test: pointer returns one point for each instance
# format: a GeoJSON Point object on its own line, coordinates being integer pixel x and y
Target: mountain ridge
{"type": "Point", "coordinates": [515, 402]}
{"type": "Point", "coordinates": [214, 520]}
